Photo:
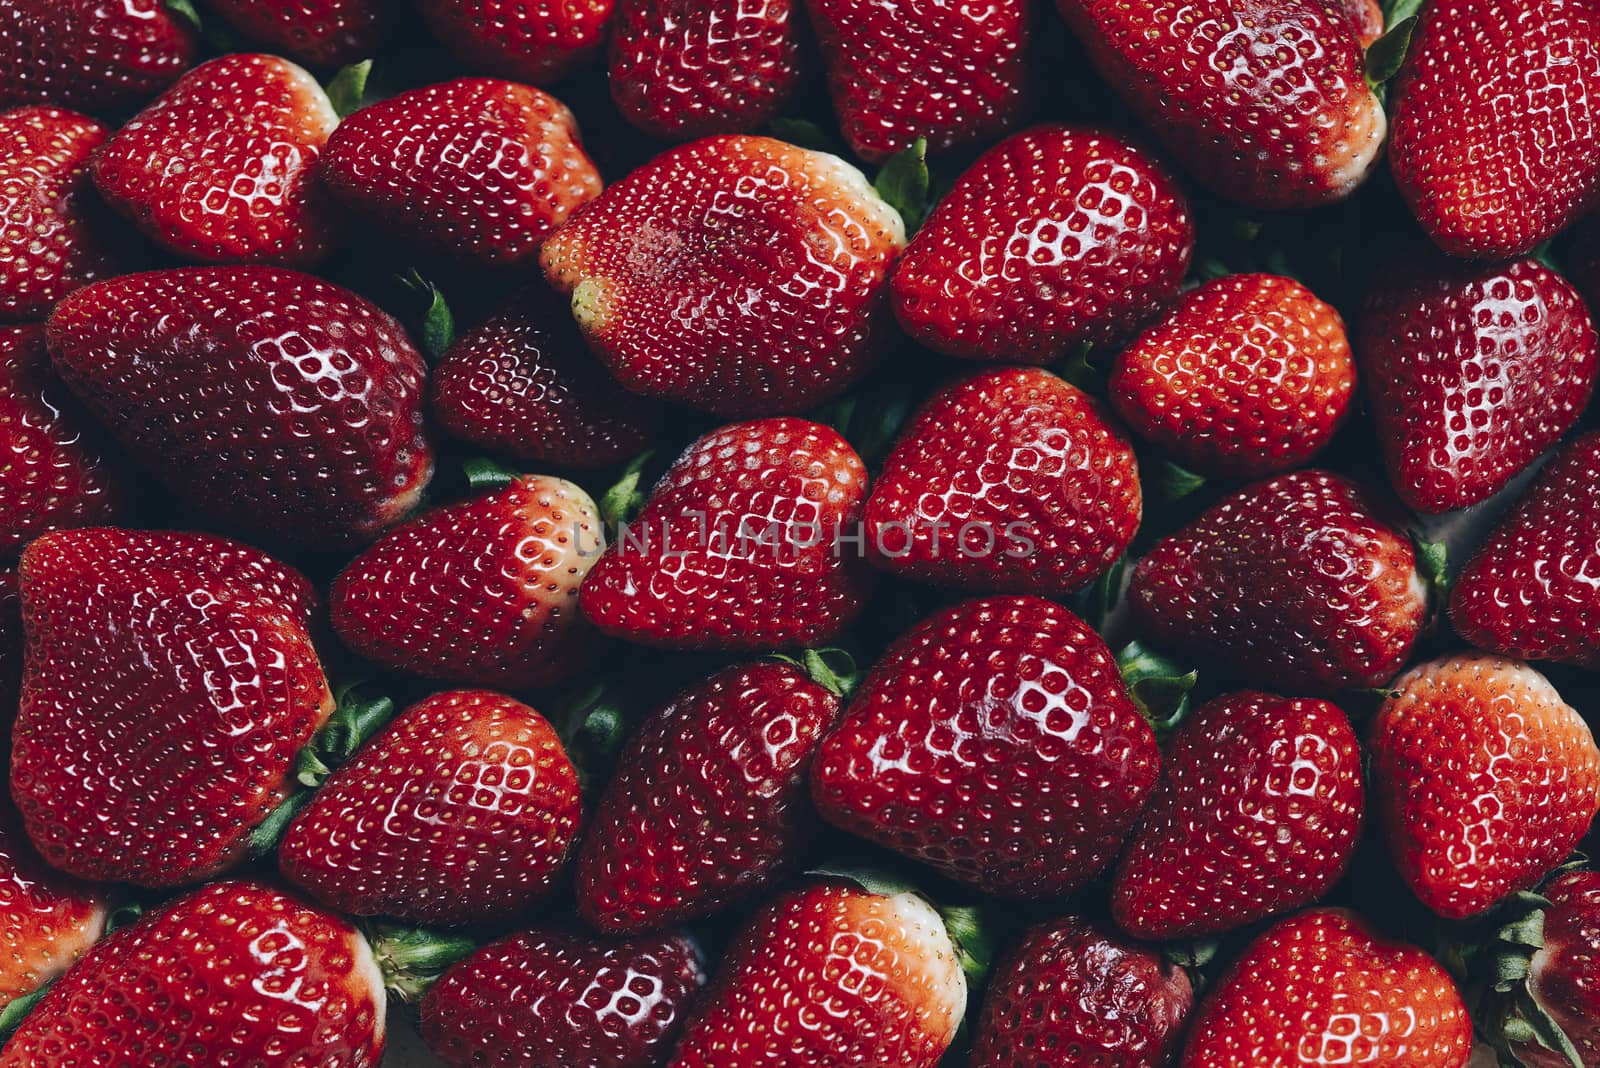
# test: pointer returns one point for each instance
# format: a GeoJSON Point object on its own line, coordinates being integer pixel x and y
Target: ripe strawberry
{"type": "Point", "coordinates": [1296, 583]}
{"type": "Point", "coordinates": [89, 54]}
{"type": "Point", "coordinates": [691, 68]}
{"type": "Point", "coordinates": [1561, 972]}
{"type": "Point", "coordinates": [1484, 777]}
{"type": "Point", "coordinates": [234, 973]}
{"type": "Point", "coordinates": [1266, 104]}
{"type": "Point", "coordinates": [489, 169]}
{"type": "Point", "coordinates": [1367, 17]}
{"type": "Point", "coordinates": [47, 921]}
{"type": "Point", "coordinates": [1496, 144]}
{"type": "Point", "coordinates": [882, 968]}
{"type": "Point", "coordinates": [1472, 372]}
{"type": "Point", "coordinates": [1053, 238]}
{"type": "Point", "coordinates": [1073, 995]}
{"type": "Point", "coordinates": [169, 683]}
{"type": "Point", "coordinates": [994, 741]}
{"type": "Point", "coordinates": [1258, 812]}
{"type": "Point", "coordinates": [322, 33]}
{"type": "Point", "coordinates": [1248, 375]}
{"type": "Point", "coordinates": [547, 998]}
{"type": "Point", "coordinates": [955, 74]}
{"type": "Point", "coordinates": [534, 41]}
{"type": "Point", "coordinates": [1324, 988]}
{"type": "Point", "coordinates": [741, 545]}
{"type": "Point", "coordinates": [1008, 481]}
{"type": "Point", "coordinates": [738, 275]}
{"type": "Point", "coordinates": [220, 168]}
{"type": "Point", "coordinates": [49, 244]}
{"type": "Point", "coordinates": [261, 397]}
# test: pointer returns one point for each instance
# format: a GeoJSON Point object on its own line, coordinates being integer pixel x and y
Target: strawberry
{"type": "Point", "coordinates": [1009, 480]}
{"type": "Point", "coordinates": [691, 68]}
{"type": "Point", "coordinates": [1472, 372]}
{"type": "Point", "coordinates": [1054, 238]}
{"type": "Point", "coordinates": [1248, 375]}
{"type": "Point", "coordinates": [1266, 104]}
{"type": "Point", "coordinates": [233, 973]}
{"type": "Point", "coordinates": [1485, 780]}
{"type": "Point", "coordinates": [169, 683]}
{"type": "Point", "coordinates": [47, 921]}
{"type": "Point", "coordinates": [220, 168]}
{"type": "Point", "coordinates": [1560, 971]}
{"type": "Point", "coordinates": [53, 474]}
{"type": "Point", "coordinates": [994, 741]}
{"type": "Point", "coordinates": [1324, 988]}
{"type": "Point", "coordinates": [1496, 144]}
{"type": "Point", "coordinates": [323, 33]}
{"type": "Point", "coordinates": [483, 592]}
{"type": "Point", "coordinates": [1073, 995]}
{"type": "Point", "coordinates": [1367, 17]}
{"type": "Point", "coordinates": [1258, 812]}
{"type": "Point", "coordinates": [708, 806]}
{"type": "Point", "coordinates": [1299, 582]}
{"type": "Point", "coordinates": [488, 169]}
{"type": "Point", "coordinates": [953, 73]}
{"type": "Point", "coordinates": [261, 397]}
{"type": "Point", "coordinates": [831, 974]}
{"type": "Point", "coordinates": [49, 244]}
{"type": "Point", "coordinates": [548, 998]}
{"type": "Point", "coordinates": [534, 41]}
{"type": "Point", "coordinates": [89, 54]}
{"type": "Point", "coordinates": [741, 545]}
{"type": "Point", "coordinates": [738, 275]}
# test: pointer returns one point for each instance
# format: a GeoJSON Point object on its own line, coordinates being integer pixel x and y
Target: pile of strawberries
{"type": "Point", "coordinates": [1118, 588]}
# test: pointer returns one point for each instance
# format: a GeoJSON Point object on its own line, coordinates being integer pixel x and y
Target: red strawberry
{"type": "Point", "coordinates": [831, 974]}
{"type": "Point", "coordinates": [741, 545]}
{"type": "Point", "coordinates": [1258, 812]}
{"type": "Point", "coordinates": [1485, 780]}
{"type": "Point", "coordinates": [1561, 971]}
{"type": "Point", "coordinates": [1496, 142]}
{"type": "Point", "coordinates": [262, 397]}
{"type": "Point", "coordinates": [89, 54]}
{"type": "Point", "coordinates": [323, 33]}
{"type": "Point", "coordinates": [953, 73]}
{"type": "Point", "coordinates": [1009, 481]}
{"type": "Point", "coordinates": [51, 473]}
{"type": "Point", "coordinates": [1297, 583]}
{"type": "Point", "coordinates": [10, 645]}
{"type": "Point", "coordinates": [547, 998]}
{"type": "Point", "coordinates": [534, 41]}
{"type": "Point", "coordinates": [1248, 375]}
{"type": "Point", "coordinates": [1324, 988]}
{"type": "Point", "coordinates": [234, 973]}
{"type": "Point", "coordinates": [49, 245]}
{"type": "Point", "coordinates": [691, 68]}
{"type": "Point", "coordinates": [483, 592]}
{"type": "Point", "coordinates": [1072, 995]}
{"type": "Point", "coordinates": [1367, 16]}
{"type": "Point", "coordinates": [220, 168]}
{"type": "Point", "coordinates": [47, 921]}
{"type": "Point", "coordinates": [487, 169]}
{"type": "Point", "coordinates": [1471, 373]}
{"type": "Point", "coordinates": [739, 275]}
{"type": "Point", "coordinates": [169, 684]}
{"type": "Point", "coordinates": [1053, 238]}
{"type": "Point", "coordinates": [996, 742]}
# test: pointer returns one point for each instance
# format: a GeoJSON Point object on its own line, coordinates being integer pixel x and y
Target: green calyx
{"type": "Point", "coordinates": [903, 183]}
{"type": "Point", "coordinates": [1095, 602]}
{"type": "Point", "coordinates": [486, 476]}
{"type": "Point", "coordinates": [412, 958]}
{"type": "Point", "coordinates": [594, 719]}
{"type": "Point", "coordinates": [347, 90]}
{"type": "Point", "coordinates": [1387, 54]}
{"type": "Point", "coordinates": [125, 914]}
{"type": "Point", "coordinates": [1158, 685]}
{"type": "Point", "coordinates": [1432, 564]}
{"type": "Point", "coordinates": [436, 325]}
{"type": "Point", "coordinates": [871, 418]}
{"type": "Point", "coordinates": [833, 669]}
{"type": "Point", "coordinates": [1501, 964]}
{"type": "Point", "coordinates": [624, 500]}
{"type": "Point", "coordinates": [804, 133]}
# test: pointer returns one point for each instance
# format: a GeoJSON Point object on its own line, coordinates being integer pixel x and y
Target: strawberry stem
{"type": "Point", "coordinates": [412, 958]}
{"type": "Point", "coordinates": [437, 327]}
{"type": "Point", "coordinates": [486, 476]}
{"type": "Point", "coordinates": [833, 669]}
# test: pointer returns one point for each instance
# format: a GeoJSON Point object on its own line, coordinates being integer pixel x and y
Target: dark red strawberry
{"type": "Point", "coordinates": [1248, 375]}
{"type": "Point", "coordinates": [10, 644]}
{"type": "Point", "coordinates": [170, 682]}
{"type": "Point", "coordinates": [489, 169]}
{"type": "Point", "coordinates": [220, 168]}
{"type": "Point", "coordinates": [739, 275]}
{"type": "Point", "coordinates": [47, 921]}
{"type": "Point", "coordinates": [534, 41]}
{"type": "Point", "coordinates": [1471, 373]}
{"type": "Point", "coordinates": [1496, 143]}
{"type": "Point", "coordinates": [323, 33]}
{"type": "Point", "coordinates": [1296, 583]}
{"type": "Point", "coordinates": [1367, 16]}
{"type": "Point", "coordinates": [264, 398]}
{"type": "Point", "coordinates": [692, 68]}
{"type": "Point", "coordinates": [1011, 481]}
{"type": "Point", "coordinates": [90, 54]}
{"type": "Point", "coordinates": [1560, 978]}
{"type": "Point", "coordinates": [741, 546]}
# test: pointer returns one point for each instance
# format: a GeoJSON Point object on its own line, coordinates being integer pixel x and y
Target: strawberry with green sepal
{"type": "Point", "coordinates": [47, 920]}
{"type": "Point", "coordinates": [88, 54]}
{"type": "Point", "coordinates": [537, 41]}
{"type": "Point", "coordinates": [321, 33]}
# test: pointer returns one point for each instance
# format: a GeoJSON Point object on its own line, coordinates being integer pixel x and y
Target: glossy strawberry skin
{"type": "Point", "coordinates": [1496, 143]}
{"type": "Point", "coordinates": [535, 41]}
{"type": "Point", "coordinates": [264, 398]}
{"type": "Point", "coordinates": [737, 275]}
{"type": "Point", "coordinates": [276, 977]}
{"type": "Point", "coordinates": [1246, 376]}
{"type": "Point", "coordinates": [1472, 372]}
{"type": "Point", "coordinates": [89, 54]}
{"type": "Point", "coordinates": [1562, 974]}
{"type": "Point", "coordinates": [1008, 481]}
{"type": "Point", "coordinates": [47, 921]}
{"type": "Point", "coordinates": [995, 742]}
{"type": "Point", "coordinates": [1056, 237]}
{"type": "Point", "coordinates": [479, 808]}
{"type": "Point", "coordinates": [322, 33]}
{"type": "Point", "coordinates": [1299, 583]}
